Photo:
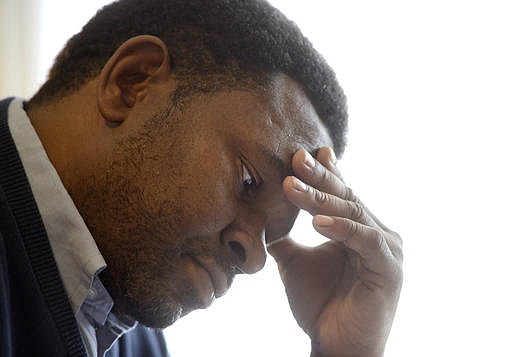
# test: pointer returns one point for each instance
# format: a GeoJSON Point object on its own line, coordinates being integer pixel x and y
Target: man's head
{"type": "Point", "coordinates": [172, 124]}
{"type": "Point", "coordinates": [212, 44]}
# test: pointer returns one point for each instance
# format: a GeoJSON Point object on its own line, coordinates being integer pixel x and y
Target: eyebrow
{"type": "Point", "coordinates": [283, 168]}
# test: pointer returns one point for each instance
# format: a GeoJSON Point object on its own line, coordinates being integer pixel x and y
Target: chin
{"type": "Point", "coordinates": [158, 316]}
{"type": "Point", "coordinates": [159, 312]}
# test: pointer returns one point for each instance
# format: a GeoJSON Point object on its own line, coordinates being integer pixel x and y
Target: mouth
{"type": "Point", "coordinates": [217, 276]}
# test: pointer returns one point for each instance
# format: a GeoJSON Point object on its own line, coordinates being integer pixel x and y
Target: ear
{"type": "Point", "coordinates": [138, 64]}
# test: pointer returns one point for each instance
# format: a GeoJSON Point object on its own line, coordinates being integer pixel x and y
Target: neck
{"type": "Point", "coordinates": [63, 126]}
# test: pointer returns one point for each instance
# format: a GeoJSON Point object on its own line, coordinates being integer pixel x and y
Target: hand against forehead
{"type": "Point", "coordinates": [343, 293]}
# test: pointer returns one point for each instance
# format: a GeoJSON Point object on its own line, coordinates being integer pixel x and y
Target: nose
{"type": "Point", "coordinates": [246, 249]}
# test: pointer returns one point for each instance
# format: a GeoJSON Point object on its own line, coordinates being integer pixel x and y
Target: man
{"type": "Point", "coordinates": [171, 144]}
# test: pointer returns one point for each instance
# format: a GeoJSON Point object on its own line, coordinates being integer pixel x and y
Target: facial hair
{"type": "Point", "coordinates": [138, 228]}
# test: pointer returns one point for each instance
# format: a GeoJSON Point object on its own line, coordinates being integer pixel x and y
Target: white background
{"type": "Point", "coordinates": [429, 94]}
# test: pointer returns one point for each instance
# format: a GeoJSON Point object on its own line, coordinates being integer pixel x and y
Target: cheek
{"type": "Point", "coordinates": [202, 180]}
{"type": "Point", "coordinates": [210, 201]}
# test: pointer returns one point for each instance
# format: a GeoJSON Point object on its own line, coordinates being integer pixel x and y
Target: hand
{"type": "Point", "coordinates": [343, 293]}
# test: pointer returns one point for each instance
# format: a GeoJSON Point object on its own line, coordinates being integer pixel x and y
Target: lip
{"type": "Point", "coordinates": [217, 276]}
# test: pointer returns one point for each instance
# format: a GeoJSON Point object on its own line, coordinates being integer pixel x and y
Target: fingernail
{"type": "Point", "coordinates": [324, 221]}
{"type": "Point", "coordinates": [299, 185]}
{"type": "Point", "coordinates": [309, 161]}
{"type": "Point", "coordinates": [332, 157]}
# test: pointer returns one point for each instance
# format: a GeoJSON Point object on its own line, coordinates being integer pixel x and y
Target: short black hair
{"type": "Point", "coordinates": [230, 39]}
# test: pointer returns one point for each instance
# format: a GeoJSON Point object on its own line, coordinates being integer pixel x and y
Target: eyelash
{"type": "Point", "coordinates": [248, 180]}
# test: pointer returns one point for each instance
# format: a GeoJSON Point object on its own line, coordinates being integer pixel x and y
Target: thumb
{"type": "Point", "coordinates": [283, 251]}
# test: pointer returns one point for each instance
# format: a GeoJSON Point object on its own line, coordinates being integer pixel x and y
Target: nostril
{"type": "Point", "coordinates": [239, 250]}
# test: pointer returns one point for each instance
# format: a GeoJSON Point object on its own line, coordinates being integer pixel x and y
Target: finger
{"type": "Point", "coordinates": [369, 243]}
{"type": "Point", "coordinates": [394, 240]}
{"type": "Point", "coordinates": [323, 174]}
{"type": "Point", "coordinates": [325, 155]}
{"type": "Point", "coordinates": [312, 172]}
{"type": "Point", "coordinates": [318, 202]}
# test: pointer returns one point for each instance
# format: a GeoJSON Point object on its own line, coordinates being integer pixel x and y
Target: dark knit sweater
{"type": "Point", "coordinates": [36, 318]}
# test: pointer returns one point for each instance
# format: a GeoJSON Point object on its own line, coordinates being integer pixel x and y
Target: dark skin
{"type": "Point", "coordinates": [357, 277]}
{"type": "Point", "coordinates": [181, 201]}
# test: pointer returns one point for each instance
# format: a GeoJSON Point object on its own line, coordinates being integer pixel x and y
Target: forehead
{"type": "Point", "coordinates": [270, 123]}
{"type": "Point", "coordinates": [284, 120]}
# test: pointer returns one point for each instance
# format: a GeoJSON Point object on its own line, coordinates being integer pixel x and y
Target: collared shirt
{"type": "Point", "coordinates": [78, 258]}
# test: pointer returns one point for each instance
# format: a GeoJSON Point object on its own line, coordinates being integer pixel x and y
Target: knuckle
{"type": "Point", "coordinates": [321, 197]}
{"type": "Point", "coordinates": [322, 177]}
{"type": "Point", "coordinates": [324, 174]}
{"type": "Point", "coordinates": [379, 241]}
{"type": "Point", "coordinates": [356, 212]}
{"type": "Point", "coordinates": [376, 241]}
{"type": "Point", "coordinates": [349, 194]}
{"type": "Point", "coordinates": [395, 244]}
{"type": "Point", "coordinates": [352, 230]}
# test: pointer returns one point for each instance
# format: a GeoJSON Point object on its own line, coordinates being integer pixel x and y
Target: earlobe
{"type": "Point", "coordinates": [129, 75]}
